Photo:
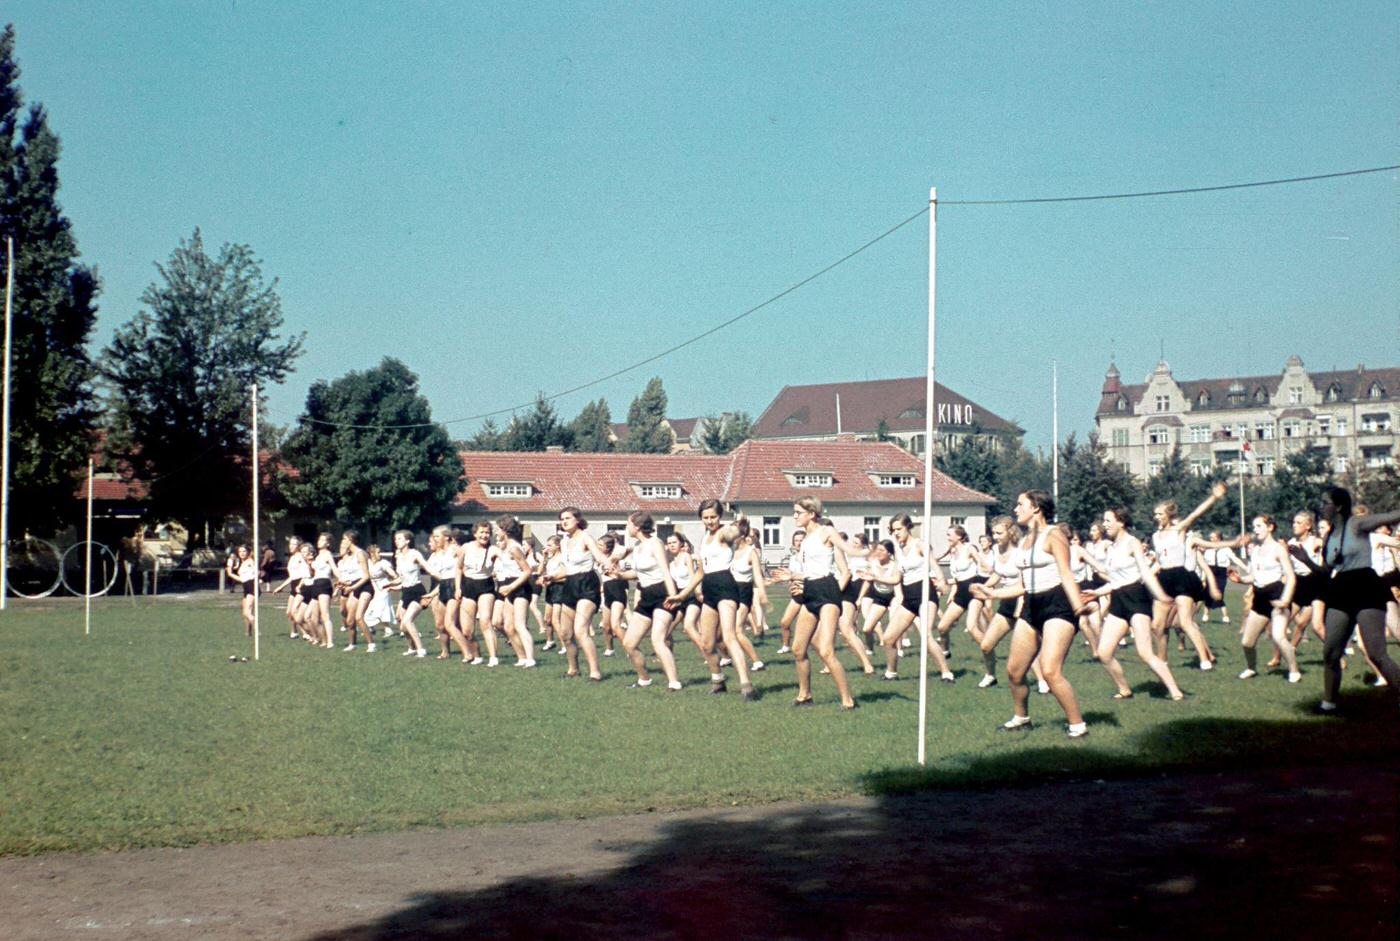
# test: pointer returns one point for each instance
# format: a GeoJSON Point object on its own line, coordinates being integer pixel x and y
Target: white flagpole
{"type": "Point", "coordinates": [87, 561]}
{"type": "Point", "coordinates": [5, 433]}
{"type": "Point", "coordinates": [925, 613]}
{"type": "Point", "coordinates": [1244, 464]}
{"type": "Point", "coordinates": [1055, 426]}
{"type": "Point", "coordinates": [256, 546]}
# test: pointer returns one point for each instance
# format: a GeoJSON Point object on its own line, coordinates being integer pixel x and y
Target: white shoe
{"type": "Point", "coordinates": [1295, 677]}
{"type": "Point", "coordinates": [493, 662]}
{"type": "Point", "coordinates": [640, 684]}
{"type": "Point", "coordinates": [1248, 674]}
{"type": "Point", "coordinates": [725, 662]}
{"type": "Point", "coordinates": [1207, 665]}
{"type": "Point", "coordinates": [1042, 687]}
{"type": "Point", "coordinates": [948, 678]}
{"type": "Point", "coordinates": [675, 687]}
{"type": "Point", "coordinates": [758, 665]}
{"type": "Point", "coordinates": [608, 652]}
{"type": "Point", "coordinates": [371, 648]}
{"type": "Point", "coordinates": [987, 680]}
{"type": "Point", "coordinates": [409, 652]}
{"type": "Point", "coordinates": [906, 642]}
{"type": "Point", "coordinates": [348, 648]}
{"type": "Point", "coordinates": [1077, 731]}
{"type": "Point", "coordinates": [421, 652]}
{"type": "Point", "coordinates": [1380, 681]}
{"type": "Point", "coordinates": [526, 664]}
{"type": "Point", "coordinates": [784, 649]}
{"type": "Point", "coordinates": [476, 661]}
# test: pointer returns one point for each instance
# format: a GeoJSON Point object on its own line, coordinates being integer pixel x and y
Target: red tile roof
{"type": "Point", "coordinates": [112, 488]}
{"type": "Point", "coordinates": [752, 473]}
{"type": "Point", "coordinates": [811, 410]}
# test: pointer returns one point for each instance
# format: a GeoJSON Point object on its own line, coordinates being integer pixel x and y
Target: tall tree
{"type": "Point", "coordinates": [52, 407]}
{"type": "Point", "coordinates": [646, 431]}
{"type": "Point", "coordinates": [1018, 470]}
{"type": "Point", "coordinates": [972, 463]}
{"type": "Point", "coordinates": [367, 452]}
{"type": "Point", "coordinates": [488, 438]}
{"type": "Point", "coordinates": [1090, 483]}
{"type": "Point", "coordinates": [592, 429]}
{"type": "Point", "coordinates": [180, 372]}
{"type": "Point", "coordinates": [537, 429]}
{"type": "Point", "coordinates": [723, 433]}
{"type": "Point", "coordinates": [1297, 484]}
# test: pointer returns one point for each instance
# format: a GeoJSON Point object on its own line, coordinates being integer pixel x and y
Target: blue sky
{"type": "Point", "coordinates": [522, 197]}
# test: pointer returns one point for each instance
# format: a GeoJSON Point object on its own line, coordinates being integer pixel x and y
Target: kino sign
{"type": "Point", "coordinates": [955, 414]}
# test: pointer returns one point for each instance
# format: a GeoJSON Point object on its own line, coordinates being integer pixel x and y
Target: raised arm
{"type": "Point", "coordinates": [1217, 493]}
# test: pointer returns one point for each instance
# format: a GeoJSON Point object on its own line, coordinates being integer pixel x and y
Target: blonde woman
{"type": "Point", "coordinates": [824, 575]}
{"type": "Point", "coordinates": [721, 596]}
{"type": "Point", "coordinates": [652, 572]}
{"type": "Point", "coordinates": [513, 587]}
{"type": "Point", "coordinates": [352, 573]}
{"type": "Point", "coordinates": [580, 552]}
{"type": "Point", "coordinates": [1170, 544]}
{"type": "Point", "coordinates": [913, 558]}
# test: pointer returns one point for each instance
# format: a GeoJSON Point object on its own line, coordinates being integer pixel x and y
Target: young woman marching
{"type": "Point", "coordinates": [445, 566]}
{"type": "Point", "coordinates": [650, 617]}
{"type": "Point", "coordinates": [322, 586]}
{"type": "Point", "coordinates": [551, 576]}
{"type": "Point", "coordinates": [1005, 571]}
{"type": "Point", "coordinates": [612, 616]}
{"type": "Point", "coordinates": [963, 562]}
{"type": "Point", "coordinates": [683, 567]}
{"type": "Point", "coordinates": [912, 556]}
{"type": "Point", "coordinates": [1218, 562]}
{"type": "Point", "coordinates": [309, 612]}
{"type": "Point", "coordinates": [880, 592]}
{"type": "Point", "coordinates": [410, 566]}
{"type": "Point", "coordinates": [1169, 543]}
{"type": "Point", "coordinates": [792, 565]}
{"type": "Point", "coordinates": [721, 596]}
{"type": "Point", "coordinates": [298, 574]}
{"type": "Point", "coordinates": [383, 580]}
{"type": "Point", "coordinates": [858, 562]}
{"type": "Point", "coordinates": [1355, 595]}
{"type": "Point", "coordinates": [479, 559]}
{"type": "Point", "coordinates": [1081, 566]}
{"type": "Point", "coordinates": [1305, 552]}
{"type": "Point", "coordinates": [1049, 613]}
{"type": "Point", "coordinates": [1272, 576]}
{"type": "Point", "coordinates": [582, 590]}
{"type": "Point", "coordinates": [352, 574]}
{"type": "Point", "coordinates": [513, 588]}
{"type": "Point", "coordinates": [1130, 583]}
{"type": "Point", "coordinates": [748, 575]}
{"type": "Point", "coordinates": [244, 569]}
{"type": "Point", "coordinates": [824, 574]}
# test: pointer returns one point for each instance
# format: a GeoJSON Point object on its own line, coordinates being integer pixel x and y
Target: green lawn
{"type": "Point", "coordinates": [144, 734]}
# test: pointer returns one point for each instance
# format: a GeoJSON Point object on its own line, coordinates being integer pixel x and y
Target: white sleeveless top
{"type": "Point", "coordinates": [1122, 565]}
{"type": "Point", "coordinates": [913, 564]}
{"type": "Point", "coordinates": [406, 564]}
{"type": "Point", "coordinates": [349, 570]}
{"type": "Point", "coordinates": [554, 566]}
{"type": "Point", "coordinates": [648, 564]}
{"type": "Point", "coordinates": [1079, 569]}
{"type": "Point", "coordinates": [818, 561]}
{"type": "Point", "coordinates": [1264, 567]}
{"type": "Point", "coordinates": [247, 571]}
{"type": "Point", "coordinates": [320, 569]}
{"type": "Point", "coordinates": [1170, 547]}
{"type": "Point", "coordinates": [507, 569]}
{"type": "Point", "coordinates": [1382, 560]}
{"type": "Point", "coordinates": [577, 558]}
{"type": "Point", "coordinates": [1004, 564]}
{"type": "Point", "coordinates": [1315, 553]}
{"type": "Point", "coordinates": [297, 567]}
{"type": "Point", "coordinates": [478, 569]}
{"type": "Point", "coordinates": [1039, 573]}
{"type": "Point", "coordinates": [715, 556]}
{"type": "Point", "coordinates": [962, 566]}
{"type": "Point", "coordinates": [443, 565]}
{"type": "Point", "coordinates": [680, 571]}
{"type": "Point", "coordinates": [381, 573]}
{"type": "Point", "coordinates": [742, 566]}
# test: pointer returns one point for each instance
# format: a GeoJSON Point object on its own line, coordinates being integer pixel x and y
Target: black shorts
{"type": "Point", "coordinates": [1048, 605]}
{"type": "Point", "coordinates": [1309, 589]}
{"type": "Point", "coordinates": [250, 586]}
{"type": "Point", "coordinates": [882, 598]}
{"type": "Point", "coordinates": [522, 592]}
{"type": "Point", "coordinates": [1222, 578]}
{"type": "Point", "coordinates": [446, 591]}
{"type": "Point", "coordinates": [554, 593]}
{"type": "Point", "coordinates": [1356, 590]}
{"type": "Point", "coordinates": [1130, 600]}
{"type": "Point", "coordinates": [719, 586]}
{"type": "Point", "coordinates": [322, 586]}
{"type": "Point", "coordinates": [580, 587]}
{"type": "Point", "coordinates": [852, 590]}
{"type": "Point", "coordinates": [367, 589]}
{"type": "Point", "coordinates": [412, 594]}
{"type": "Point", "coordinates": [649, 599]}
{"type": "Point", "coordinates": [1006, 607]}
{"type": "Point", "coordinates": [474, 589]}
{"type": "Point", "coordinates": [1391, 579]}
{"type": "Point", "coordinates": [745, 593]}
{"type": "Point", "coordinates": [307, 593]}
{"type": "Point", "coordinates": [615, 592]}
{"type": "Point", "coordinates": [962, 597]}
{"type": "Point", "coordinates": [913, 597]}
{"type": "Point", "coordinates": [1096, 580]}
{"type": "Point", "coordinates": [817, 593]}
{"type": "Point", "coordinates": [1263, 595]}
{"type": "Point", "coordinates": [1178, 583]}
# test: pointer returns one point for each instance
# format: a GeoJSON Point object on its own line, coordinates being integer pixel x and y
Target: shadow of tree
{"type": "Point", "coordinates": [1277, 839]}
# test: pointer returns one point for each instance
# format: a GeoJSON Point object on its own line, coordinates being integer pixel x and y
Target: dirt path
{"type": "Point", "coordinates": [1279, 854]}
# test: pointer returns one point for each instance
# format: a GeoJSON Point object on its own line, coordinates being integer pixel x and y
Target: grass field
{"type": "Point", "coordinates": [144, 734]}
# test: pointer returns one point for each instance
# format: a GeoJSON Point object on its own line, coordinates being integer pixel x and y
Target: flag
{"type": "Point", "coordinates": [1244, 458]}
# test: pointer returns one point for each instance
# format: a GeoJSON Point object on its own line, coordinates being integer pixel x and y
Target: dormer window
{"type": "Point", "coordinates": [1164, 403]}
{"type": "Point", "coordinates": [1334, 392]}
{"type": "Point", "coordinates": [1376, 392]}
{"type": "Point", "coordinates": [515, 489]}
{"type": "Point", "coordinates": [1260, 395]}
{"type": "Point", "coordinates": [914, 411]}
{"type": "Point", "coordinates": [1203, 399]}
{"type": "Point", "coordinates": [1236, 394]}
{"type": "Point", "coordinates": [657, 491]}
{"type": "Point", "coordinates": [802, 478]}
{"type": "Point", "coordinates": [793, 419]}
{"type": "Point", "coordinates": [895, 480]}
{"type": "Point", "coordinates": [1121, 405]}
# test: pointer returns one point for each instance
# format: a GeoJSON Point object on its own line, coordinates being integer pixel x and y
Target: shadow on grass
{"type": "Point", "coordinates": [1292, 833]}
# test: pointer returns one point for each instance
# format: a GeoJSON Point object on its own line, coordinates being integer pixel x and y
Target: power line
{"type": "Point", "coordinates": [842, 260]}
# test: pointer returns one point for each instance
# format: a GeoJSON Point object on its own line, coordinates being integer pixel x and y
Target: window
{"type": "Point", "coordinates": [916, 444]}
{"type": "Point", "coordinates": [1159, 434]}
{"type": "Point", "coordinates": [498, 488]}
{"type": "Point", "coordinates": [1264, 466]}
{"type": "Point", "coordinates": [895, 480]}
{"type": "Point", "coordinates": [1236, 393]}
{"type": "Point", "coordinates": [811, 480]}
{"type": "Point", "coordinates": [871, 527]}
{"type": "Point", "coordinates": [1154, 468]}
{"type": "Point", "coordinates": [957, 520]}
{"type": "Point", "coordinates": [1203, 399]}
{"type": "Point", "coordinates": [772, 531]}
{"type": "Point", "coordinates": [1340, 426]}
{"type": "Point", "coordinates": [1121, 405]}
{"type": "Point", "coordinates": [913, 411]}
{"type": "Point", "coordinates": [1341, 464]}
{"type": "Point", "coordinates": [1260, 395]}
{"type": "Point", "coordinates": [1375, 422]}
{"type": "Point", "coordinates": [1292, 428]}
{"type": "Point", "coordinates": [1295, 395]}
{"type": "Point", "coordinates": [1324, 425]}
{"type": "Point", "coordinates": [1263, 431]}
{"type": "Point", "coordinates": [1334, 392]}
{"type": "Point", "coordinates": [658, 491]}
{"type": "Point", "coordinates": [1376, 392]}
{"type": "Point", "coordinates": [617, 528]}
{"type": "Point", "coordinates": [796, 418]}
{"type": "Point", "coordinates": [1200, 434]}
{"type": "Point", "coordinates": [1377, 457]}
{"type": "Point", "coordinates": [1200, 467]}
{"type": "Point", "coordinates": [1164, 403]}
{"type": "Point", "coordinates": [1120, 437]}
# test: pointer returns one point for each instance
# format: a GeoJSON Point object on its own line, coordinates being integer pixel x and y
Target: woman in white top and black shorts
{"type": "Point", "coordinates": [1171, 543]}
{"type": "Point", "coordinates": [513, 587]}
{"type": "Point", "coordinates": [323, 586]}
{"type": "Point", "coordinates": [352, 572]}
{"type": "Point", "coordinates": [298, 573]}
{"type": "Point", "coordinates": [917, 566]}
{"type": "Point", "coordinates": [582, 591]}
{"type": "Point", "coordinates": [411, 567]}
{"type": "Point", "coordinates": [244, 569]}
{"type": "Point", "coordinates": [721, 596]}
{"type": "Point", "coordinates": [479, 558]}
{"type": "Point", "coordinates": [652, 573]}
{"type": "Point", "coordinates": [824, 574]}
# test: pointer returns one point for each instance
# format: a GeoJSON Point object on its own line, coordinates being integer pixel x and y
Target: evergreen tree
{"type": "Point", "coordinates": [972, 463]}
{"type": "Point", "coordinates": [489, 438]}
{"type": "Point", "coordinates": [52, 406]}
{"type": "Point", "coordinates": [379, 478]}
{"type": "Point", "coordinates": [538, 429]}
{"type": "Point", "coordinates": [1018, 470]}
{"type": "Point", "coordinates": [1090, 483]}
{"type": "Point", "coordinates": [180, 373]}
{"type": "Point", "coordinates": [646, 433]}
{"type": "Point", "coordinates": [882, 430]}
{"type": "Point", "coordinates": [592, 429]}
{"type": "Point", "coordinates": [1297, 484]}
{"type": "Point", "coordinates": [723, 433]}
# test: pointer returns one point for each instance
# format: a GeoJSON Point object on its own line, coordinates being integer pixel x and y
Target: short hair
{"type": "Point", "coordinates": [887, 545]}
{"type": "Point", "coordinates": [710, 505]}
{"type": "Point", "coordinates": [1008, 524]}
{"type": "Point", "coordinates": [1042, 501]}
{"type": "Point", "coordinates": [643, 521]}
{"type": "Point", "coordinates": [1121, 514]}
{"type": "Point", "coordinates": [962, 532]}
{"type": "Point", "coordinates": [509, 525]}
{"type": "Point", "coordinates": [577, 514]}
{"type": "Point", "coordinates": [810, 504]}
{"type": "Point", "coordinates": [352, 536]}
{"type": "Point", "coordinates": [1268, 520]}
{"type": "Point", "coordinates": [608, 542]}
{"type": "Point", "coordinates": [903, 520]}
{"type": "Point", "coordinates": [1169, 507]}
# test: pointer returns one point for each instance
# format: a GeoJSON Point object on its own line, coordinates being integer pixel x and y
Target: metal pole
{"type": "Point", "coordinates": [5, 432]}
{"type": "Point", "coordinates": [924, 612]}
{"type": "Point", "coordinates": [87, 561]}
{"type": "Point", "coordinates": [1055, 426]}
{"type": "Point", "coordinates": [257, 546]}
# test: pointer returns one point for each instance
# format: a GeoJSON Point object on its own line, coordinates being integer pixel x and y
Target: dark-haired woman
{"type": "Point", "coordinates": [720, 592]}
{"type": "Point", "coordinates": [747, 569]}
{"type": "Point", "coordinates": [612, 615]}
{"type": "Point", "coordinates": [323, 586]}
{"type": "Point", "coordinates": [792, 565]}
{"type": "Point", "coordinates": [352, 573]}
{"type": "Point", "coordinates": [479, 558]}
{"type": "Point", "coordinates": [824, 574]}
{"type": "Point", "coordinates": [1218, 561]}
{"type": "Point", "coordinates": [857, 551]}
{"type": "Point", "coordinates": [1050, 611]}
{"type": "Point", "coordinates": [410, 566]}
{"type": "Point", "coordinates": [913, 558]}
{"type": "Point", "coordinates": [550, 576]}
{"type": "Point", "coordinates": [1355, 595]}
{"type": "Point", "coordinates": [244, 569]}
{"type": "Point", "coordinates": [963, 562]}
{"type": "Point", "coordinates": [579, 552]}
{"type": "Point", "coordinates": [1169, 543]}
{"type": "Point", "coordinates": [880, 592]}
{"type": "Point", "coordinates": [652, 574]}
{"type": "Point", "coordinates": [1131, 586]}
{"type": "Point", "coordinates": [513, 586]}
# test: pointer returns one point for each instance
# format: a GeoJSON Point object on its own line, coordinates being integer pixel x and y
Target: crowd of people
{"type": "Point", "coordinates": [1030, 579]}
